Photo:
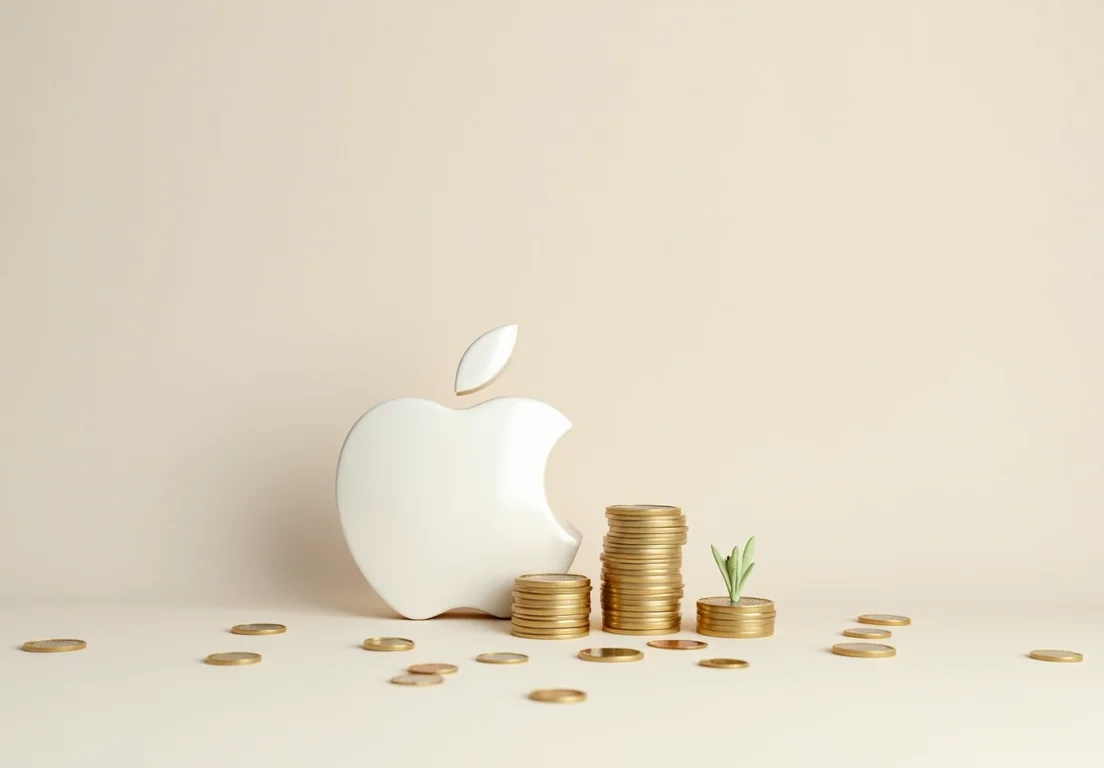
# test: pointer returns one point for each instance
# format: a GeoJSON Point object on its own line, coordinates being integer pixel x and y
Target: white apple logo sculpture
{"type": "Point", "coordinates": [444, 508]}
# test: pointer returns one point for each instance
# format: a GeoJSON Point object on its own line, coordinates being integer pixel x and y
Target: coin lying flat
{"type": "Point", "coordinates": [417, 680]}
{"type": "Point", "coordinates": [1056, 655]}
{"type": "Point", "coordinates": [678, 645]}
{"type": "Point", "coordinates": [54, 645]}
{"type": "Point", "coordinates": [233, 659]}
{"type": "Point", "coordinates": [258, 629]}
{"type": "Point", "coordinates": [388, 644]}
{"type": "Point", "coordinates": [432, 669]}
{"type": "Point", "coordinates": [864, 650]}
{"type": "Point", "coordinates": [558, 695]}
{"type": "Point", "coordinates": [611, 655]}
{"type": "Point", "coordinates": [723, 663]}
{"type": "Point", "coordinates": [868, 633]}
{"type": "Point", "coordinates": [555, 582]}
{"type": "Point", "coordinates": [885, 619]}
{"type": "Point", "coordinates": [502, 658]}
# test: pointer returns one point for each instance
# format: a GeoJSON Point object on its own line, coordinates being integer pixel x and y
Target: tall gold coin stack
{"type": "Point", "coordinates": [551, 606]}
{"type": "Point", "coordinates": [642, 570]}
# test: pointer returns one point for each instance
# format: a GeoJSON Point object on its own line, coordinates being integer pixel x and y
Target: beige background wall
{"type": "Point", "coordinates": [827, 273]}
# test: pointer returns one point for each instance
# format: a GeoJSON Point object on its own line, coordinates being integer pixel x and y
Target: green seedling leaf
{"type": "Point", "coordinates": [734, 574]}
{"type": "Point", "coordinates": [723, 565]}
{"type": "Point", "coordinates": [749, 552]}
{"type": "Point", "coordinates": [734, 563]}
{"type": "Point", "coordinates": [746, 574]}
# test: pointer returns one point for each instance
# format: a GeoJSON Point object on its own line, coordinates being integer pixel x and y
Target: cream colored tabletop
{"type": "Point", "coordinates": [960, 692]}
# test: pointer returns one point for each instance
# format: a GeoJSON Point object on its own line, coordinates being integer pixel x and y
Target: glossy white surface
{"type": "Point", "coordinates": [444, 508]}
{"type": "Point", "coordinates": [485, 359]}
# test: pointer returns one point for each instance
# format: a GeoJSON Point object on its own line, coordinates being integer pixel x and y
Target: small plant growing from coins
{"type": "Point", "coordinates": [736, 568]}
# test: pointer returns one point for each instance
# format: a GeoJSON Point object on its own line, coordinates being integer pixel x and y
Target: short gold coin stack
{"type": "Point", "coordinates": [551, 606]}
{"type": "Point", "coordinates": [642, 570]}
{"type": "Point", "coordinates": [751, 617]}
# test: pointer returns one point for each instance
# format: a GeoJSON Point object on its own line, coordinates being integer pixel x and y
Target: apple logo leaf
{"type": "Point", "coordinates": [485, 359]}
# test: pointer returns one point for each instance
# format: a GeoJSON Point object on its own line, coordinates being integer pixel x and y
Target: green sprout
{"type": "Point", "coordinates": [730, 568]}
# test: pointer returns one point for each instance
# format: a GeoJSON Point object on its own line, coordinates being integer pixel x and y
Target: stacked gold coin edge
{"type": "Point", "coordinates": [753, 620]}
{"type": "Point", "coordinates": [641, 557]}
{"type": "Point", "coordinates": [550, 606]}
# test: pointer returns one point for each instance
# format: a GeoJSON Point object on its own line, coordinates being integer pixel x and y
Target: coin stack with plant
{"type": "Point", "coordinates": [551, 606]}
{"type": "Point", "coordinates": [642, 570]}
{"type": "Point", "coordinates": [734, 614]}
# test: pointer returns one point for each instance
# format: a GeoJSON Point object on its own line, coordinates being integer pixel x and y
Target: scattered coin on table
{"type": "Point", "coordinates": [388, 644]}
{"type": "Point", "coordinates": [1056, 655]}
{"type": "Point", "coordinates": [864, 650]}
{"type": "Point", "coordinates": [678, 645]}
{"type": "Point", "coordinates": [54, 645]}
{"type": "Point", "coordinates": [724, 663]}
{"type": "Point", "coordinates": [868, 633]}
{"type": "Point", "coordinates": [258, 629]}
{"type": "Point", "coordinates": [502, 658]}
{"type": "Point", "coordinates": [233, 659]}
{"type": "Point", "coordinates": [417, 680]}
{"type": "Point", "coordinates": [558, 695]}
{"type": "Point", "coordinates": [611, 655]}
{"type": "Point", "coordinates": [432, 669]}
{"type": "Point", "coordinates": [885, 619]}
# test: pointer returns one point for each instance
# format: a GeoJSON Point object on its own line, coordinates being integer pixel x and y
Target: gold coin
{"type": "Point", "coordinates": [641, 602]}
{"type": "Point", "coordinates": [625, 619]}
{"type": "Point", "coordinates": [611, 655]}
{"type": "Point", "coordinates": [626, 613]}
{"type": "Point", "coordinates": [552, 581]}
{"type": "Point", "coordinates": [639, 570]}
{"type": "Point", "coordinates": [638, 592]}
{"type": "Point", "coordinates": [660, 522]}
{"type": "Point", "coordinates": [54, 646]}
{"type": "Point", "coordinates": [417, 680]}
{"type": "Point", "coordinates": [432, 669]}
{"type": "Point", "coordinates": [641, 548]}
{"type": "Point", "coordinates": [741, 621]}
{"type": "Point", "coordinates": [666, 582]}
{"type": "Point", "coordinates": [642, 510]}
{"type": "Point", "coordinates": [646, 535]}
{"type": "Point", "coordinates": [724, 663]}
{"type": "Point", "coordinates": [499, 657]}
{"type": "Point", "coordinates": [868, 633]}
{"type": "Point", "coordinates": [547, 616]}
{"type": "Point", "coordinates": [678, 645]}
{"type": "Point", "coordinates": [558, 696]}
{"type": "Point", "coordinates": [388, 644]}
{"type": "Point", "coordinates": [864, 650]}
{"type": "Point", "coordinates": [710, 632]}
{"type": "Point", "coordinates": [615, 630]}
{"type": "Point", "coordinates": [745, 604]}
{"type": "Point", "coordinates": [645, 526]}
{"type": "Point", "coordinates": [526, 636]}
{"type": "Point", "coordinates": [625, 628]}
{"type": "Point", "coordinates": [233, 659]}
{"type": "Point", "coordinates": [258, 629]}
{"type": "Point", "coordinates": [1055, 655]}
{"type": "Point", "coordinates": [548, 634]}
{"type": "Point", "coordinates": [551, 624]}
{"type": "Point", "coordinates": [551, 600]}
{"type": "Point", "coordinates": [884, 619]}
